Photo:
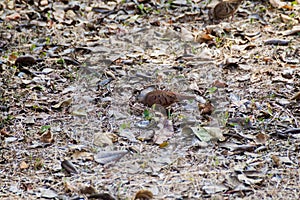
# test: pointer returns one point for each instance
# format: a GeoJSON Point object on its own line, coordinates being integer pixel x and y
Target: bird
{"type": "Point", "coordinates": [163, 98]}
{"type": "Point", "coordinates": [225, 9]}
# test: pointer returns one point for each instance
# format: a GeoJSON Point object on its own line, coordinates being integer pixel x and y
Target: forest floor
{"type": "Point", "coordinates": [71, 125]}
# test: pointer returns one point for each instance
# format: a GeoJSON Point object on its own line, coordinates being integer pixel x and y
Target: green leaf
{"type": "Point", "coordinates": [45, 128]}
{"type": "Point", "coordinates": [212, 90]}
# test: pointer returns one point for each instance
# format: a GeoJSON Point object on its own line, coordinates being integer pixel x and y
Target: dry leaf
{"type": "Point", "coordinates": [64, 103]}
{"type": "Point", "coordinates": [102, 139]}
{"type": "Point", "coordinates": [24, 165]}
{"type": "Point", "coordinates": [87, 189]}
{"type": "Point", "coordinates": [143, 195]}
{"type": "Point", "coordinates": [165, 131]}
{"type": "Point", "coordinates": [249, 180]}
{"type": "Point", "coordinates": [105, 157]}
{"type": "Point", "coordinates": [296, 96]}
{"type": "Point", "coordinates": [83, 155]}
{"type": "Point", "coordinates": [47, 137]}
{"type": "Point", "coordinates": [206, 108]}
{"type": "Point", "coordinates": [212, 189]}
{"type": "Point", "coordinates": [261, 138]}
{"type": "Point", "coordinates": [236, 147]}
{"type": "Point", "coordinates": [277, 3]}
{"type": "Point", "coordinates": [69, 167]}
{"type": "Point", "coordinates": [101, 196]}
{"type": "Point", "coordinates": [13, 17]}
{"type": "Point", "coordinates": [276, 160]}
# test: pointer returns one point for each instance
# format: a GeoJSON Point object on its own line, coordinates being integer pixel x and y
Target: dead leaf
{"type": "Point", "coordinates": [277, 3]}
{"type": "Point", "coordinates": [69, 167]}
{"type": "Point", "coordinates": [212, 189]}
{"type": "Point", "coordinates": [47, 137]}
{"type": "Point", "coordinates": [236, 147]}
{"type": "Point", "coordinates": [219, 84]}
{"type": "Point", "coordinates": [101, 196]}
{"type": "Point", "coordinates": [204, 37]}
{"type": "Point", "coordinates": [104, 157]}
{"type": "Point", "coordinates": [143, 195]}
{"type": "Point", "coordinates": [102, 139]}
{"type": "Point", "coordinates": [250, 181]}
{"type": "Point", "coordinates": [24, 165]}
{"type": "Point", "coordinates": [165, 131]}
{"type": "Point", "coordinates": [64, 103]}
{"type": "Point", "coordinates": [276, 160]}
{"type": "Point", "coordinates": [206, 108]}
{"type": "Point", "coordinates": [83, 155]}
{"type": "Point", "coordinates": [13, 17]}
{"type": "Point", "coordinates": [261, 138]}
{"type": "Point", "coordinates": [48, 193]}
{"type": "Point", "coordinates": [87, 189]}
{"type": "Point", "coordinates": [296, 96]}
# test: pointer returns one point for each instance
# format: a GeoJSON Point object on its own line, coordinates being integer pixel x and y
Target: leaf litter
{"type": "Point", "coordinates": [78, 70]}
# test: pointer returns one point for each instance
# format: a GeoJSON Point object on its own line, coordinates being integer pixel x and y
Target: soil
{"type": "Point", "coordinates": [72, 125]}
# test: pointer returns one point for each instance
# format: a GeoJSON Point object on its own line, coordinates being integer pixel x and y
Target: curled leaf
{"type": "Point", "coordinates": [143, 195]}
{"type": "Point", "coordinates": [69, 167]}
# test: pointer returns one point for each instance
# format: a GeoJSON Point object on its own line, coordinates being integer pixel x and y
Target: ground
{"type": "Point", "coordinates": [72, 125]}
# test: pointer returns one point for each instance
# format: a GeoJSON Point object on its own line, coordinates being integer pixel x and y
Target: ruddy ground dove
{"type": "Point", "coordinates": [164, 98]}
{"type": "Point", "coordinates": [225, 8]}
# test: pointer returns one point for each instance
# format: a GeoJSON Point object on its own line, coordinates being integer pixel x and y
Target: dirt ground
{"type": "Point", "coordinates": [72, 125]}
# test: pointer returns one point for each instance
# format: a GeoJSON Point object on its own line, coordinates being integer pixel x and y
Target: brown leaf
{"type": "Point", "coordinates": [47, 137]}
{"type": "Point", "coordinates": [143, 195]}
{"type": "Point", "coordinates": [261, 138]}
{"type": "Point", "coordinates": [23, 165]}
{"type": "Point", "coordinates": [13, 17]}
{"type": "Point", "coordinates": [276, 160]}
{"type": "Point", "coordinates": [101, 196]}
{"type": "Point", "coordinates": [203, 37]}
{"type": "Point", "coordinates": [296, 96]}
{"type": "Point", "coordinates": [88, 190]}
{"type": "Point", "coordinates": [206, 108]}
{"type": "Point", "coordinates": [219, 84]}
{"type": "Point", "coordinates": [83, 155]}
{"type": "Point", "coordinates": [4, 133]}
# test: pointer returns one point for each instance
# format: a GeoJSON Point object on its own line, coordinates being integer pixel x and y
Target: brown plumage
{"type": "Point", "coordinates": [225, 8]}
{"type": "Point", "coordinates": [164, 98]}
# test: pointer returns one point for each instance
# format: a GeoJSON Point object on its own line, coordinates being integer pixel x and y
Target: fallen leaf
{"type": "Point", "coordinates": [277, 3]}
{"type": "Point", "coordinates": [48, 193]}
{"type": "Point", "coordinates": [83, 155]}
{"type": "Point", "coordinates": [296, 96]}
{"type": "Point", "coordinates": [165, 131]}
{"type": "Point", "coordinates": [102, 139]}
{"type": "Point", "coordinates": [104, 157]}
{"type": "Point", "coordinates": [47, 137]}
{"type": "Point", "coordinates": [101, 196]}
{"type": "Point", "coordinates": [69, 167]}
{"type": "Point", "coordinates": [206, 108]}
{"type": "Point", "coordinates": [87, 189]}
{"type": "Point", "coordinates": [143, 195]}
{"type": "Point", "coordinates": [261, 138]}
{"type": "Point", "coordinates": [23, 165]}
{"type": "Point", "coordinates": [250, 181]}
{"type": "Point", "coordinates": [64, 103]}
{"type": "Point", "coordinates": [212, 189]}
{"type": "Point", "coordinates": [236, 147]}
{"type": "Point", "coordinates": [13, 17]}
